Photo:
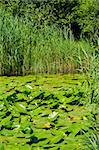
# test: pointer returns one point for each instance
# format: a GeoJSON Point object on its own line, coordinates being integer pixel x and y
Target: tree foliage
{"type": "Point", "coordinates": [81, 17]}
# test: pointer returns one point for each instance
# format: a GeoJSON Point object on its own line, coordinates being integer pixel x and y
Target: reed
{"type": "Point", "coordinates": [28, 49]}
{"type": "Point", "coordinates": [91, 83]}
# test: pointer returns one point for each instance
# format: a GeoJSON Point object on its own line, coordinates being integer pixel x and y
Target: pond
{"type": "Point", "coordinates": [44, 112]}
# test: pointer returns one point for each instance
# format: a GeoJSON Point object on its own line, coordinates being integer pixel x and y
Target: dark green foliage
{"type": "Point", "coordinates": [82, 17]}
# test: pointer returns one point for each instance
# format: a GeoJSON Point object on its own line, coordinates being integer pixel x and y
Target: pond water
{"type": "Point", "coordinates": [43, 112]}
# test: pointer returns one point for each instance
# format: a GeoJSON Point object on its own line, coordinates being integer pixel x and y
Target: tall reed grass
{"type": "Point", "coordinates": [91, 86]}
{"type": "Point", "coordinates": [25, 48]}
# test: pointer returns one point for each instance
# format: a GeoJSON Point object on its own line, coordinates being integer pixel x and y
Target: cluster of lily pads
{"type": "Point", "coordinates": [44, 112]}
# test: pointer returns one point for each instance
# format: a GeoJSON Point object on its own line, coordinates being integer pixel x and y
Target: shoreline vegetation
{"type": "Point", "coordinates": [32, 43]}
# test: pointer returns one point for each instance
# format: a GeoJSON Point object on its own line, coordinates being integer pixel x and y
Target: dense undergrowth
{"type": "Point", "coordinates": [30, 45]}
{"type": "Point", "coordinates": [47, 112]}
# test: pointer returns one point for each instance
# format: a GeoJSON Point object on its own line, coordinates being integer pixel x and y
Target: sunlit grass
{"type": "Point", "coordinates": [26, 49]}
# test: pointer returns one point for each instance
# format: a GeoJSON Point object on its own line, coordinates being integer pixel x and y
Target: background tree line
{"type": "Point", "coordinates": [79, 16]}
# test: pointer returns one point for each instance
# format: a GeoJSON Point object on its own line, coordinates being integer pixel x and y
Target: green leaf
{"type": "Point", "coordinates": [20, 107]}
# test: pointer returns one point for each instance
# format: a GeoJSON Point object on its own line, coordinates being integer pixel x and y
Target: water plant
{"type": "Point", "coordinates": [43, 112]}
{"type": "Point", "coordinates": [92, 93]}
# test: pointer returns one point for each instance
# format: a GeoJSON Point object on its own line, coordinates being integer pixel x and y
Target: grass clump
{"type": "Point", "coordinates": [25, 48]}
